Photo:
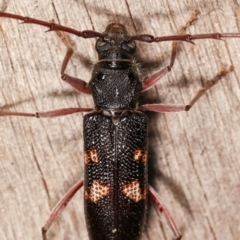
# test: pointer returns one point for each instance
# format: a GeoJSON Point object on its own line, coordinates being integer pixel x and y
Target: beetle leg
{"type": "Point", "coordinates": [200, 93]}
{"type": "Point", "coordinates": [162, 209]}
{"type": "Point", "coordinates": [77, 83]}
{"type": "Point", "coordinates": [148, 82]}
{"type": "Point", "coordinates": [60, 207]}
{"type": "Point", "coordinates": [208, 85]}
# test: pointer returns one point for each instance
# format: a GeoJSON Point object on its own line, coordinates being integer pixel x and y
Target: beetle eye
{"type": "Point", "coordinates": [129, 46]}
{"type": "Point", "coordinates": [102, 46]}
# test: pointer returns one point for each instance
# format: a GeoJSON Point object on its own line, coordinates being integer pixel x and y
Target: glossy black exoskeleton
{"type": "Point", "coordinates": [115, 132]}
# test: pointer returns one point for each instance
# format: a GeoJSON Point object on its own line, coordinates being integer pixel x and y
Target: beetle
{"type": "Point", "coordinates": [115, 130]}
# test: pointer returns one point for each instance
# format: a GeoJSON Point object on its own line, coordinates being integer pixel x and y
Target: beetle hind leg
{"type": "Point", "coordinates": [162, 209]}
{"type": "Point", "coordinates": [60, 207]}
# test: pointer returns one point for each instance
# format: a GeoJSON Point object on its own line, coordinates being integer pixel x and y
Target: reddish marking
{"type": "Point", "coordinates": [97, 192]}
{"type": "Point", "coordinates": [137, 154]}
{"type": "Point", "coordinates": [144, 158]}
{"type": "Point", "coordinates": [92, 156]}
{"type": "Point", "coordinates": [86, 158]}
{"type": "Point", "coordinates": [133, 191]}
{"type": "Point", "coordinates": [140, 155]}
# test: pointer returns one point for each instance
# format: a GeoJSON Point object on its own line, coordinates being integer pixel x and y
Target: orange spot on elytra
{"type": "Point", "coordinates": [86, 158]}
{"type": "Point", "coordinates": [140, 155]}
{"type": "Point", "coordinates": [91, 156]}
{"type": "Point", "coordinates": [133, 191]}
{"type": "Point", "coordinates": [97, 191]}
{"type": "Point", "coordinates": [94, 155]}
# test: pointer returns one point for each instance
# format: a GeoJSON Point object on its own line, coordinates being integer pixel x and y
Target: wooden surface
{"type": "Point", "coordinates": [194, 156]}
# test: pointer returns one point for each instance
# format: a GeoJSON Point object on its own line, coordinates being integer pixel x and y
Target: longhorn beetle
{"type": "Point", "coordinates": [115, 130]}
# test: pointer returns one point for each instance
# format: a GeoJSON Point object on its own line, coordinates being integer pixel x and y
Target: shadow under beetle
{"type": "Point", "coordinates": [115, 132]}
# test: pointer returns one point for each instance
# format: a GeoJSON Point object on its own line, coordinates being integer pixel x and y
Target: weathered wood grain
{"type": "Point", "coordinates": [194, 156]}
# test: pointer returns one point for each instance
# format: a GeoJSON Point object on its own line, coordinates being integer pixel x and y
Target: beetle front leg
{"type": "Point", "coordinates": [77, 83]}
{"type": "Point", "coordinates": [148, 82]}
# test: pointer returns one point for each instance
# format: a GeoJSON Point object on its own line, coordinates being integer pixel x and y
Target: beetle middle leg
{"type": "Point", "coordinates": [148, 82]}
{"type": "Point", "coordinates": [200, 93]}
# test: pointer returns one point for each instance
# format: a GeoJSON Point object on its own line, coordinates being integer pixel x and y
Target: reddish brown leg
{"type": "Point", "coordinates": [78, 84]}
{"type": "Point", "coordinates": [60, 207]}
{"type": "Point", "coordinates": [151, 80]}
{"type": "Point", "coordinates": [48, 114]}
{"type": "Point", "coordinates": [162, 209]}
{"type": "Point", "coordinates": [200, 93]}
